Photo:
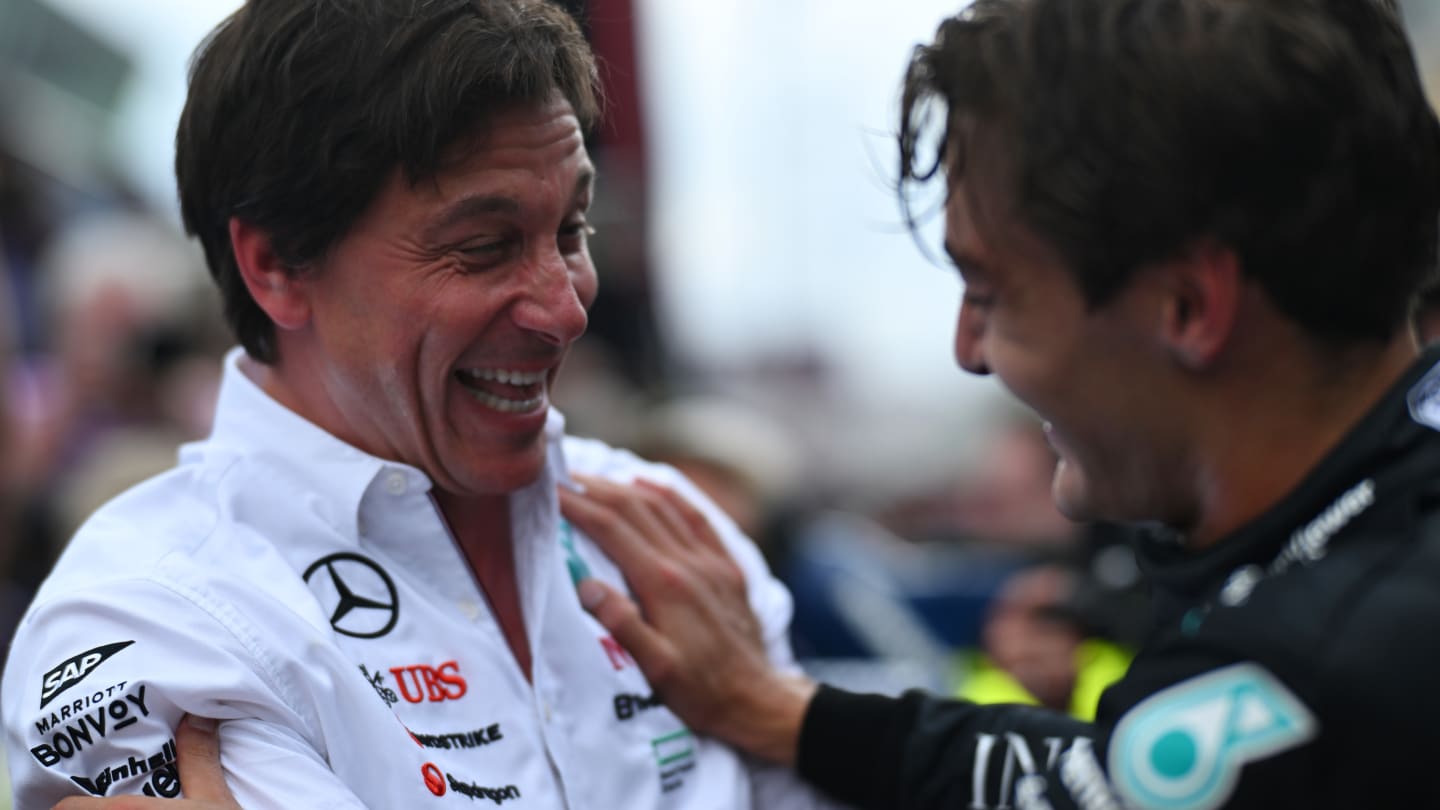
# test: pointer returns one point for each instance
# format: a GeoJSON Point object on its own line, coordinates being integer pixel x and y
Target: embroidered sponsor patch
{"type": "Point", "coordinates": [73, 670]}
{"type": "Point", "coordinates": [360, 597]}
{"type": "Point", "coordinates": [675, 754]}
{"type": "Point", "coordinates": [1183, 748]}
{"type": "Point", "coordinates": [1424, 399]}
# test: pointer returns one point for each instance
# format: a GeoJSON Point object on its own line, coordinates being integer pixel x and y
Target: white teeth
{"type": "Point", "coordinates": [518, 379]}
{"type": "Point", "coordinates": [507, 405]}
{"type": "Point", "coordinates": [505, 376]}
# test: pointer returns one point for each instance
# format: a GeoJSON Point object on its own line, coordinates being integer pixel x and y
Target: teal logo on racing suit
{"type": "Point", "coordinates": [1183, 748]}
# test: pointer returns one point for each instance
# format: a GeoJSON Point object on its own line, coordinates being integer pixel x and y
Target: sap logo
{"type": "Point", "coordinates": [115, 774]}
{"type": "Point", "coordinates": [1184, 747]}
{"type": "Point", "coordinates": [72, 739]}
{"type": "Point", "coordinates": [619, 659]}
{"type": "Point", "coordinates": [627, 706]}
{"type": "Point", "coordinates": [74, 669]}
{"type": "Point", "coordinates": [68, 710]}
{"type": "Point", "coordinates": [436, 684]}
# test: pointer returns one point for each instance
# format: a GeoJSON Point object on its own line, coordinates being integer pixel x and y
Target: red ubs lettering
{"type": "Point", "coordinates": [423, 682]}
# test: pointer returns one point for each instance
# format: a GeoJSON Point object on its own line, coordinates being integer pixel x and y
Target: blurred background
{"type": "Point", "coordinates": [766, 323]}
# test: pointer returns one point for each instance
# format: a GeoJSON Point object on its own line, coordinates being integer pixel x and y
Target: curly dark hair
{"type": "Point", "coordinates": [299, 109]}
{"type": "Point", "coordinates": [1295, 132]}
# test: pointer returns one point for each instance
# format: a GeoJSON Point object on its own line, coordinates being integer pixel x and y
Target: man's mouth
{"type": "Point", "coordinates": [504, 390]}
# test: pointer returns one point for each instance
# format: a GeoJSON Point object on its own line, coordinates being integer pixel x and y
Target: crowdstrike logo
{"type": "Point", "coordinates": [466, 739]}
{"type": "Point", "coordinates": [74, 669]}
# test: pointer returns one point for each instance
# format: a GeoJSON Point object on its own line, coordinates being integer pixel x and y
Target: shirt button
{"type": "Point", "coordinates": [470, 609]}
{"type": "Point", "coordinates": [395, 483]}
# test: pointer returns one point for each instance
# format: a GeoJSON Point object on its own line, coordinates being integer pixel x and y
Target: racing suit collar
{"type": "Point", "coordinates": [1387, 445]}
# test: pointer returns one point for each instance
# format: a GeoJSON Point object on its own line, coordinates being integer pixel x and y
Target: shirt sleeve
{"type": "Point", "coordinates": [98, 680]}
{"type": "Point", "coordinates": [1221, 735]}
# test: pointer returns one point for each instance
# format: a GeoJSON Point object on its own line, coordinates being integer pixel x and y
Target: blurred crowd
{"type": "Point", "coordinates": [971, 581]}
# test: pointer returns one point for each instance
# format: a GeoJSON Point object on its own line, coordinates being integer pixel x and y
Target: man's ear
{"type": "Point", "coordinates": [271, 283]}
{"type": "Point", "coordinates": [1202, 300]}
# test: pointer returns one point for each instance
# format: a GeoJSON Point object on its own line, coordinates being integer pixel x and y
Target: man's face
{"type": "Point", "coordinates": [1090, 374]}
{"type": "Point", "coordinates": [439, 322]}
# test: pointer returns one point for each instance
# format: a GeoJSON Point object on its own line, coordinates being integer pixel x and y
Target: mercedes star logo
{"type": "Point", "coordinates": [364, 596]}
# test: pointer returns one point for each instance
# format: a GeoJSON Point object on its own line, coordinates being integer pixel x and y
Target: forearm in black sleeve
{"type": "Point", "coordinates": [917, 751]}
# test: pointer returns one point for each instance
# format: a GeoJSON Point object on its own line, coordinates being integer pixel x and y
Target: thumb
{"type": "Point", "coordinates": [197, 748]}
{"type": "Point", "coordinates": [619, 615]}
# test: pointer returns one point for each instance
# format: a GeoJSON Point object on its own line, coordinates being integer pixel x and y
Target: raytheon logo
{"type": "Point", "coordinates": [74, 669]}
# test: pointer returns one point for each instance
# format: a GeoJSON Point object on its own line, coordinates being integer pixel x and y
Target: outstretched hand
{"type": "Point", "coordinates": [693, 633]}
{"type": "Point", "coordinates": [197, 754]}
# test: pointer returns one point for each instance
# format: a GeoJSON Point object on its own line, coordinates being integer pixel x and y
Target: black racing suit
{"type": "Point", "coordinates": [1294, 664]}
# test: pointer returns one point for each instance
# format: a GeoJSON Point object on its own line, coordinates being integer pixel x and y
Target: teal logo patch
{"type": "Point", "coordinates": [1183, 748]}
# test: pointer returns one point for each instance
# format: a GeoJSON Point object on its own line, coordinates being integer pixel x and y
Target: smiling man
{"type": "Point", "coordinates": [363, 573]}
{"type": "Point", "coordinates": [1191, 233]}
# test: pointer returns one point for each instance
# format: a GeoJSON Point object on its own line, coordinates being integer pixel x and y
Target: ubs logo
{"type": "Point", "coordinates": [436, 684]}
{"type": "Point", "coordinates": [361, 597]}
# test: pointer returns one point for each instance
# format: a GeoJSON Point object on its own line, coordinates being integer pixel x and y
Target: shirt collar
{"type": "Point", "coordinates": [252, 425]}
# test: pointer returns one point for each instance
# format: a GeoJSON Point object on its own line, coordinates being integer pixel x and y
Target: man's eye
{"type": "Point", "coordinates": [483, 255]}
{"type": "Point", "coordinates": [573, 234]}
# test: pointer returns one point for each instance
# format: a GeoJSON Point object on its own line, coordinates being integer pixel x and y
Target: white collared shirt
{"type": "Point", "coordinates": [310, 596]}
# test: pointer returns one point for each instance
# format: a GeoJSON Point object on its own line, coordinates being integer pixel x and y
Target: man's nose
{"type": "Point", "coordinates": [550, 305]}
{"type": "Point", "coordinates": [970, 330]}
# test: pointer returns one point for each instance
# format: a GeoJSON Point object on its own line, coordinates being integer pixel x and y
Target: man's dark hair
{"type": "Point", "coordinates": [1295, 132]}
{"type": "Point", "coordinates": [300, 109]}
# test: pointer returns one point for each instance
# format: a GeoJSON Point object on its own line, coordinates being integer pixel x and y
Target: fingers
{"type": "Point", "coordinates": [197, 748]}
{"type": "Point", "coordinates": [620, 616]}
{"type": "Point", "coordinates": [615, 536]}
{"type": "Point", "coordinates": [700, 528]}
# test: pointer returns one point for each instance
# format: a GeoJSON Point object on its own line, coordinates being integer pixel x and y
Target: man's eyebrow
{"type": "Point", "coordinates": [469, 208]}
{"type": "Point", "coordinates": [480, 205]}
